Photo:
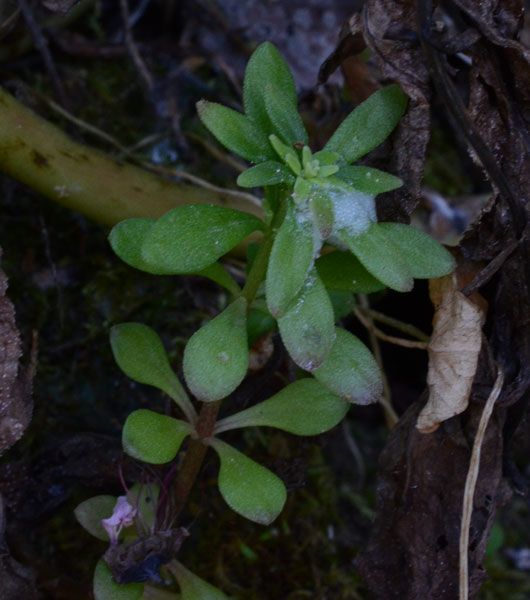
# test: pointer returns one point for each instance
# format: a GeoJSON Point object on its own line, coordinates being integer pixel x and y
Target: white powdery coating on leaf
{"type": "Point", "coordinates": [304, 218]}
{"type": "Point", "coordinates": [354, 211]}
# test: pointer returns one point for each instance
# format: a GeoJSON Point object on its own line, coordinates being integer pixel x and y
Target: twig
{"type": "Point", "coordinates": [166, 170]}
{"type": "Point", "coordinates": [42, 46]}
{"type": "Point", "coordinates": [396, 324]}
{"type": "Point", "coordinates": [386, 399]}
{"type": "Point", "coordinates": [86, 126]}
{"type": "Point", "coordinates": [138, 61]}
{"type": "Point", "coordinates": [471, 482]}
{"type": "Point", "coordinates": [218, 154]}
{"type": "Point", "coordinates": [353, 447]}
{"type": "Point", "coordinates": [368, 323]}
{"type": "Point", "coordinates": [202, 183]}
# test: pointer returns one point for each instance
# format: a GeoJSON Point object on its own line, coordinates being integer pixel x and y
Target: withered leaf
{"type": "Point", "coordinates": [453, 353]}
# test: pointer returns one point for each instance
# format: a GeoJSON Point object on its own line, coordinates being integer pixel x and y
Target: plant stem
{"type": "Point", "coordinates": [194, 457]}
{"type": "Point", "coordinates": [204, 428]}
{"type": "Point", "coordinates": [259, 267]}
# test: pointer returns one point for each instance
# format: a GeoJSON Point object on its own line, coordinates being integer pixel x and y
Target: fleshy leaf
{"type": "Point", "coordinates": [235, 131]}
{"type": "Point", "coordinates": [343, 303]}
{"type": "Point", "coordinates": [326, 158]}
{"type": "Point", "coordinates": [322, 208]}
{"type": "Point", "coordinates": [284, 115]}
{"type": "Point", "coordinates": [270, 172]}
{"type": "Point", "coordinates": [380, 256]}
{"type": "Point", "coordinates": [152, 437]}
{"type": "Point", "coordinates": [190, 238]}
{"type": "Point", "coordinates": [290, 261]}
{"type": "Point", "coordinates": [425, 257]}
{"type": "Point", "coordinates": [248, 488]}
{"type": "Point", "coordinates": [368, 124]}
{"type": "Point", "coordinates": [305, 407]}
{"type": "Point", "coordinates": [342, 272]}
{"type": "Point", "coordinates": [105, 588]}
{"type": "Point", "coordinates": [369, 180]}
{"type": "Point", "coordinates": [259, 322]}
{"type": "Point", "coordinates": [193, 587]}
{"type": "Point", "coordinates": [140, 354]}
{"type": "Point", "coordinates": [126, 239]}
{"type": "Point", "coordinates": [266, 65]}
{"type": "Point", "coordinates": [216, 356]}
{"type": "Point", "coordinates": [281, 149]}
{"type": "Point", "coordinates": [90, 513]}
{"type": "Point", "coordinates": [351, 371]}
{"type": "Point", "coordinates": [307, 328]}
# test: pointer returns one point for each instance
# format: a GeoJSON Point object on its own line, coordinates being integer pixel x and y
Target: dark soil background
{"type": "Point", "coordinates": [68, 288]}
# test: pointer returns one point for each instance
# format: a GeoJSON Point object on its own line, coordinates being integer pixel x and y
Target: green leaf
{"type": "Point", "coordinates": [305, 407]}
{"type": "Point", "coordinates": [126, 239]}
{"type": "Point", "coordinates": [343, 303]}
{"type": "Point", "coordinates": [323, 214]}
{"type": "Point", "coordinates": [266, 66]}
{"type": "Point", "coordinates": [425, 257]}
{"type": "Point", "coordinates": [259, 322]}
{"type": "Point", "coordinates": [105, 588]}
{"type": "Point", "coordinates": [351, 371]}
{"type": "Point", "coordinates": [193, 587]}
{"type": "Point", "coordinates": [326, 158]}
{"type": "Point", "coordinates": [343, 272]}
{"type": "Point", "coordinates": [380, 256]}
{"type": "Point", "coordinates": [235, 131]}
{"type": "Point", "coordinates": [270, 172]}
{"type": "Point", "coordinates": [290, 260]}
{"type": "Point", "coordinates": [216, 356]}
{"type": "Point", "coordinates": [190, 238]}
{"type": "Point", "coordinates": [284, 151]}
{"type": "Point", "coordinates": [90, 513]}
{"type": "Point", "coordinates": [369, 180]}
{"type": "Point", "coordinates": [140, 354]}
{"type": "Point", "coordinates": [216, 272]}
{"type": "Point", "coordinates": [153, 438]}
{"type": "Point", "coordinates": [307, 328]}
{"type": "Point", "coordinates": [284, 115]}
{"type": "Point", "coordinates": [368, 124]}
{"type": "Point", "coordinates": [248, 488]}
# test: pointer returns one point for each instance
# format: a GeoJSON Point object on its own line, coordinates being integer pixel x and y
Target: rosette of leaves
{"type": "Point", "coordinates": [323, 199]}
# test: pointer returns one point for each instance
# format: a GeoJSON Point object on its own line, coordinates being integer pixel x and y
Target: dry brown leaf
{"type": "Point", "coordinates": [453, 353]}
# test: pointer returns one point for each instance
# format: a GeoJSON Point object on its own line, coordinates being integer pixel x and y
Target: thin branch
{"type": "Point", "coordinates": [386, 399]}
{"type": "Point", "coordinates": [166, 170]}
{"type": "Point", "coordinates": [138, 61]}
{"type": "Point", "coordinates": [368, 323]}
{"type": "Point", "coordinates": [204, 184]}
{"type": "Point", "coordinates": [99, 133]}
{"type": "Point", "coordinates": [217, 153]}
{"type": "Point", "coordinates": [471, 482]}
{"type": "Point", "coordinates": [42, 46]}
{"type": "Point", "coordinates": [353, 447]}
{"type": "Point", "coordinates": [396, 324]}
